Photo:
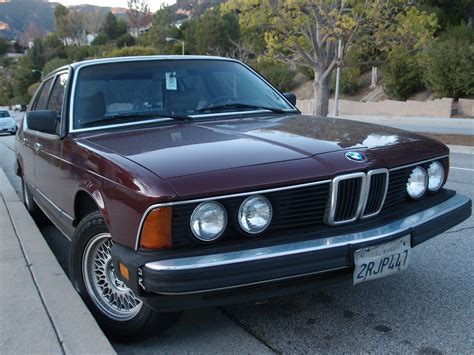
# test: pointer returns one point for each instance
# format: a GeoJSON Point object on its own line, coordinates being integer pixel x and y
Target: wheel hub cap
{"type": "Point", "coordinates": [107, 291]}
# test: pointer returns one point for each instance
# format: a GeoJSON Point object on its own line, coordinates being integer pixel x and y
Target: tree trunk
{"type": "Point", "coordinates": [321, 95]}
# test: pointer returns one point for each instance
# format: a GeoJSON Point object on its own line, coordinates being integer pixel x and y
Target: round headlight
{"type": "Point", "coordinates": [255, 214]}
{"type": "Point", "coordinates": [417, 183]}
{"type": "Point", "coordinates": [435, 176]}
{"type": "Point", "coordinates": [208, 221]}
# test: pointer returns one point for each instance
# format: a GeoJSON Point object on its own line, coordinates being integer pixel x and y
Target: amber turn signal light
{"type": "Point", "coordinates": [156, 231]}
{"type": "Point", "coordinates": [124, 271]}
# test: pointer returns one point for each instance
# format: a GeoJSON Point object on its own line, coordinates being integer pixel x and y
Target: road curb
{"type": "Point", "coordinates": [76, 329]}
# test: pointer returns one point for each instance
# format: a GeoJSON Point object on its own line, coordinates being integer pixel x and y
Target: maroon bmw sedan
{"type": "Point", "coordinates": [187, 182]}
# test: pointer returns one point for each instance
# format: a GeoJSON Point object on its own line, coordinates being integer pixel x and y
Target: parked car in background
{"type": "Point", "coordinates": [189, 182]}
{"type": "Point", "coordinates": [7, 123]}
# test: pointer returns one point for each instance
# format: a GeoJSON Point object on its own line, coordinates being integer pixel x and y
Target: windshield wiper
{"type": "Point", "coordinates": [238, 105]}
{"type": "Point", "coordinates": [128, 116]}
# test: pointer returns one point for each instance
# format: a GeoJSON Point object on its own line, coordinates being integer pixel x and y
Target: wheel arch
{"type": "Point", "coordinates": [86, 202]}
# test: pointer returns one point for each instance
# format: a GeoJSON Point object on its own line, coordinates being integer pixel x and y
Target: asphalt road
{"type": "Point", "coordinates": [428, 309]}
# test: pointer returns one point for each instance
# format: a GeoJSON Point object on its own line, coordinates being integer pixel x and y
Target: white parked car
{"type": "Point", "coordinates": [7, 122]}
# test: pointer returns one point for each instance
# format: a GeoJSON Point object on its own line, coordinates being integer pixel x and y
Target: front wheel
{"type": "Point", "coordinates": [121, 314]}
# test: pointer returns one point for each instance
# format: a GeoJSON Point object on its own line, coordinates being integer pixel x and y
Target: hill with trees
{"type": "Point", "coordinates": [38, 16]}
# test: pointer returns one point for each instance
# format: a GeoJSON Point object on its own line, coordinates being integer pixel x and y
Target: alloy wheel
{"type": "Point", "coordinates": [106, 290]}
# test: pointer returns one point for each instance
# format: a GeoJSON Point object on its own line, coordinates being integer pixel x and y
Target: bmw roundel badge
{"type": "Point", "coordinates": [355, 156]}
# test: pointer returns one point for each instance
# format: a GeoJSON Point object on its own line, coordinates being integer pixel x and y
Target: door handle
{"type": "Point", "coordinates": [38, 147]}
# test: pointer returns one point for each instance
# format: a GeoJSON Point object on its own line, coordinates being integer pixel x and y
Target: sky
{"type": "Point", "coordinates": [154, 4]}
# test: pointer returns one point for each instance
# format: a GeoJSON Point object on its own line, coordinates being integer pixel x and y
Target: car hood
{"type": "Point", "coordinates": [199, 147]}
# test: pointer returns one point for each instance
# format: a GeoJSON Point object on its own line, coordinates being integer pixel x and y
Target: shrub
{"type": "Point", "coordinates": [350, 75]}
{"type": "Point", "coordinates": [349, 82]}
{"type": "Point", "coordinates": [448, 65]}
{"type": "Point", "coordinates": [277, 73]}
{"type": "Point", "coordinates": [32, 89]}
{"type": "Point", "coordinates": [3, 45]}
{"type": "Point", "coordinates": [127, 40]}
{"type": "Point", "coordinates": [402, 75]}
{"type": "Point", "coordinates": [100, 39]}
{"type": "Point", "coordinates": [307, 72]}
{"type": "Point", "coordinates": [76, 54]}
{"type": "Point", "coordinates": [53, 64]}
{"type": "Point", "coordinates": [130, 51]}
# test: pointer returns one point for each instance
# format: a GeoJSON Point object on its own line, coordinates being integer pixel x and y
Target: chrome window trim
{"type": "Point", "coordinates": [397, 227]}
{"type": "Point", "coordinates": [216, 198]}
{"type": "Point", "coordinates": [86, 64]}
{"type": "Point", "coordinates": [161, 119]}
{"type": "Point", "coordinates": [369, 177]}
{"type": "Point", "coordinates": [331, 207]}
{"type": "Point", "coordinates": [419, 162]}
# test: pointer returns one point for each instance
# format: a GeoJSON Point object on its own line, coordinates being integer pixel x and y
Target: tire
{"type": "Point", "coordinates": [38, 216]}
{"type": "Point", "coordinates": [121, 315]}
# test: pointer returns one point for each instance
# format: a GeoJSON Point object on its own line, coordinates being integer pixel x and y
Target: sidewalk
{"type": "Point", "coordinates": [464, 126]}
{"type": "Point", "coordinates": [39, 309]}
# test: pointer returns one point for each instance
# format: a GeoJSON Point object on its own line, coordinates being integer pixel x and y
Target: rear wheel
{"type": "Point", "coordinates": [121, 314]}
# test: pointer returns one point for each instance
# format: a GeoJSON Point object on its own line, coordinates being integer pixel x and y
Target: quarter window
{"type": "Point", "coordinates": [43, 96]}
{"type": "Point", "coordinates": [57, 94]}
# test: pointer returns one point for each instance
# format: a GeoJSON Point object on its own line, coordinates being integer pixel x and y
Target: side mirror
{"type": "Point", "coordinates": [290, 97]}
{"type": "Point", "coordinates": [44, 121]}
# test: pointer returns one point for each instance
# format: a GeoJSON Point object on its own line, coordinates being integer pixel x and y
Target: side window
{"type": "Point", "coordinates": [57, 94]}
{"type": "Point", "coordinates": [43, 96]}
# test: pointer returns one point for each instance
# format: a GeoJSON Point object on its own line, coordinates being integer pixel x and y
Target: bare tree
{"type": "Point", "coordinates": [32, 32]}
{"type": "Point", "coordinates": [139, 15]}
{"type": "Point", "coordinates": [240, 50]}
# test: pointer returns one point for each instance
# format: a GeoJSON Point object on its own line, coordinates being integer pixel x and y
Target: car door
{"type": "Point", "coordinates": [28, 139]}
{"type": "Point", "coordinates": [50, 166]}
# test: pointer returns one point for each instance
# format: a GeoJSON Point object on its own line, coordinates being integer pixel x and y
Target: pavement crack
{"type": "Point", "coordinates": [249, 331]}
{"type": "Point", "coordinates": [460, 230]}
{"type": "Point", "coordinates": [7, 146]}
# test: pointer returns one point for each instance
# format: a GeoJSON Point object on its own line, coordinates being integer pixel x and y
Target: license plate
{"type": "Point", "coordinates": [381, 260]}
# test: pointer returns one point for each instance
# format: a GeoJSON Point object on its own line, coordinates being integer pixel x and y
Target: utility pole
{"type": "Point", "coordinates": [338, 78]}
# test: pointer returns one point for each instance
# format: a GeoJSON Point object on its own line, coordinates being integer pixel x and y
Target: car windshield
{"type": "Point", "coordinates": [4, 114]}
{"type": "Point", "coordinates": [130, 92]}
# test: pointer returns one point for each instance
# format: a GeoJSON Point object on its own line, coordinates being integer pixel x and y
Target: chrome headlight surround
{"type": "Point", "coordinates": [258, 209]}
{"type": "Point", "coordinates": [417, 183]}
{"type": "Point", "coordinates": [208, 221]}
{"type": "Point", "coordinates": [435, 176]}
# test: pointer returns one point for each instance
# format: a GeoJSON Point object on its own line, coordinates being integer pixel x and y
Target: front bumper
{"type": "Point", "coordinates": [245, 275]}
{"type": "Point", "coordinates": [9, 129]}
{"type": "Point", "coordinates": [8, 126]}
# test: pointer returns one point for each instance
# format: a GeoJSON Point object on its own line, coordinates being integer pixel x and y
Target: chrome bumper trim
{"type": "Point", "coordinates": [236, 257]}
